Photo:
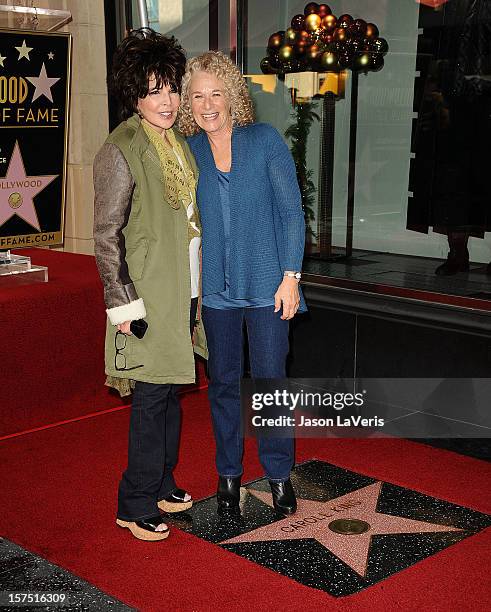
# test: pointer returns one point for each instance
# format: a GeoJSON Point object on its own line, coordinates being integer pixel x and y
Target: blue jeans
{"type": "Point", "coordinates": [268, 348]}
{"type": "Point", "coordinates": [153, 447]}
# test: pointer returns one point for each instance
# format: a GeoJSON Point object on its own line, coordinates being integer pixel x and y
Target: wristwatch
{"type": "Point", "coordinates": [297, 275]}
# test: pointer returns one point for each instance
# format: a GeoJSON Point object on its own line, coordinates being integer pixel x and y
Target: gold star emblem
{"type": "Point", "coordinates": [2, 58]}
{"type": "Point", "coordinates": [51, 55]}
{"type": "Point", "coordinates": [24, 51]}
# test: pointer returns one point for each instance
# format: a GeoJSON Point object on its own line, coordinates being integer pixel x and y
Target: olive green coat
{"type": "Point", "coordinates": [156, 251]}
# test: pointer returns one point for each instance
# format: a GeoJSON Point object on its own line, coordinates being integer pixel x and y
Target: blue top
{"type": "Point", "coordinates": [267, 226]}
{"type": "Point", "coordinates": [222, 299]}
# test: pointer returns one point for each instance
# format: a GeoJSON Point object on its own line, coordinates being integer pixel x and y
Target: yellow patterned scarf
{"type": "Point", "coordinates": [180, 182]}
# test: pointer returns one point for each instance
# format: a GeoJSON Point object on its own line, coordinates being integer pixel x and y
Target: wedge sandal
{"type": "Point", "coordinates": [175, 502]}
{"type": "Point", "coordinates": [145, 529]}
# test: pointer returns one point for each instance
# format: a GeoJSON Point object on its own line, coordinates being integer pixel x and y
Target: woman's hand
{"type": "Point", "coordinates": [125, 328]}
{"type": "Point", "coordinates": [287, 294]}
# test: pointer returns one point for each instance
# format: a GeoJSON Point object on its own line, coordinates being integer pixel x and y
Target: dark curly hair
{"type": "Point", "coordinates": [142, 54]}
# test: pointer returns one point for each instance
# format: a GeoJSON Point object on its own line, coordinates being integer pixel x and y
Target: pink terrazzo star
{"type": "Point", "coordinates": [313, 518]}
{"type": "Point", "coordinates": [17, 191]}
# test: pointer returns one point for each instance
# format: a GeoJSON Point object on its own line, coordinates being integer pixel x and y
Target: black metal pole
{"type": "Point", "coordinates": [350, 208]}
{"type": "Point", "coordinates": [326, 175]}
{"type": "Point", "coordinates": [241, 24]}
{"type": "Point", "coordinates": [213, 25]}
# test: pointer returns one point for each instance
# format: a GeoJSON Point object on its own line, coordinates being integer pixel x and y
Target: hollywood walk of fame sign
{"type": "Point", "coordinates": [34, 108]}
{"type": "Point", "coordinates": [349, 532]}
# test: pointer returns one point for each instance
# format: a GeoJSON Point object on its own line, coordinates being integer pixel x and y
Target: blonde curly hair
{"type": "Point", "coordinates": [218, 64]}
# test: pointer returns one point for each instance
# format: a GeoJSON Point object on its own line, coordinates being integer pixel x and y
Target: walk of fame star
{"type": "Point", "coordinates": [313, 520]}
{"type": "Point", "coordinates": [43, 84]}
{"type": "Point", "coordinates": [350, 531]}
{"type": "Point", "coordinates": [17, 191]}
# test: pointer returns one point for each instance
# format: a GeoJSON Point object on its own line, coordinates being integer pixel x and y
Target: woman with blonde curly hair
{"type": "Point", "coordinates": [253, 243]}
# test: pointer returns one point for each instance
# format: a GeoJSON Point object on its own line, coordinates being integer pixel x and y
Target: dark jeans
{"type": "Point", "coordinates": [268, 348]}
{"type": "Point", "coordinates": [153, 448]}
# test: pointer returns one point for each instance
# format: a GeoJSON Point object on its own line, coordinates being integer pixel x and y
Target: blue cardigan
{"type": "Point", "coordinates": [267, 226]}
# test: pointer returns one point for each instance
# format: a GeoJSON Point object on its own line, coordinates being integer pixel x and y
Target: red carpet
{"type": "Point", "coordinates": [59, 490]}
{"type": "Point", "coordinates": [53, 345]}
{"type": "Point", "coordinates": [53, 341]}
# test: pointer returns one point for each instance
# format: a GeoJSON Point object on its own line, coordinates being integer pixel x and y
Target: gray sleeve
{"type": "Point", "coordinates": [113, 188]}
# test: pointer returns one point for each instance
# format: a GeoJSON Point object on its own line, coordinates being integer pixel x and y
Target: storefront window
{"type": "Point", "coordinates": [420, 185]}
{"type": "Point", "coordinates": [187, 20]}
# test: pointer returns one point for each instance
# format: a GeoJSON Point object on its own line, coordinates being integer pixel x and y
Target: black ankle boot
{"type": "Point", "coordinates": [458, 254]}
{"type": "Point", "coordinates": [284, 500]}
{"type": "Point", "coordinates": [452, 266]}
{"type": "Point", "coordinates": [228, 495]}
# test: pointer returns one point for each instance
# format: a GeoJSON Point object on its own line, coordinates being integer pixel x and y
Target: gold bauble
{"type": "Point", "coordinates": [290, 36]}
{"type": "Point", "coordinates": [312, 22]}
{"type": "Point", "coordinates": [329, 22]}
{"type": "Point", "coordinates": [285, 53]}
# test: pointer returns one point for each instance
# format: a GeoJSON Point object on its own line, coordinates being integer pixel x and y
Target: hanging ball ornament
{"type": "Point", "coordinates": [341, 35]}
{"type": "Point", "coordinates": [285, 53]}
{"type": "Point", "coordinates": [326, 37]}
{"type": "Point", "coordinates": [345, 21]}
{"type": "Point", "coordinates": [287, 66]}
{"type": "Point", "coordinates": [359, 27]}
{"type": "Point", "coordinates": [376, 62]}
{"type": "Point", "coordinates": [357, 45]}
{"type": "Point", "coordinates": [379, 45]}
{"type": "Point", "coordinates": [300, 48]}
{"type": "Point", "coordinates": [313, 52]}
{"type": "Point", "coordinates": [372, 31]}
{"type": "Point", "coordinates": [312, 22]}
{"type": "Point", "coordinates": [297, 23]}
{"type": "Point", "coordinates": [311, 8]}
{"type": "Point", "coordinates": [274, 60]}
{"type": "Point", "coordinates": [362, 61]}
{"type": "Point", "coordinates": [329, 61]}
{"type": "Point", "coordinates": [290, 36]}
{"type": "Point", "coordinates": [266, 66]}
{"type": "Point", "coordinates": [275, 41]}
{"type": "Point", "coordinates": [303, 36]}
{"type": "Point", "coordinates": [345, 58]}
{"type": "Point", "coordinates": [329, 23]}
{"type": "Point", "coordinates": [323, 10]}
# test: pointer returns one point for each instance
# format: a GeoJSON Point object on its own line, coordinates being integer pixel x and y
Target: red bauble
{"type": "Point", "coordinates": [372, 31]}
{"type": "Point", "coordinates": [303, 36]}
{"type": "Point", "coordinates": [300, 48]}
{"type": "Point", "coordinates": [341, 35]}
{"type": "Point", "coordinates": [326, 37]}
{"type": "Point", "coordinates": [313, 52]}
{"type": "Point", "coordinates": [324, 10]}
{"type": "Point", "coordinates": [310, 8]}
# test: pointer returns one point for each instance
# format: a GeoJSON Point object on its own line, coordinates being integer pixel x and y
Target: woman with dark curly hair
{"type": "Point", "coordinates": [147, 243]}
{"type": "Point", "coordinates": [253, 243]}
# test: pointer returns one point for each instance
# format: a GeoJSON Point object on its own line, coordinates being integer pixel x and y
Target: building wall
{"type": "Point", "coordinates": [88, 115]}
